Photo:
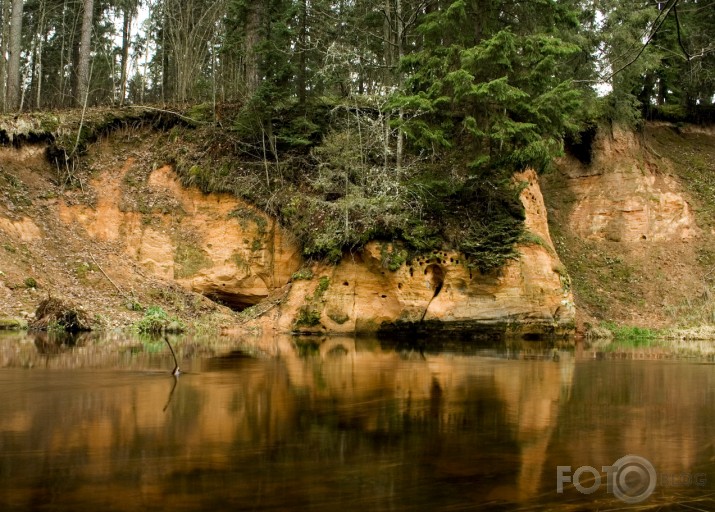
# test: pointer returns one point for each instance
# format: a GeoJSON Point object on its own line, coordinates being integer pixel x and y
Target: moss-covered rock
{"type": "Point", "coordinates": [12, 324]}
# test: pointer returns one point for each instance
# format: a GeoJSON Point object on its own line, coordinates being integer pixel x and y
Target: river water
{"type": "Point", "coordinates": [345, 424]}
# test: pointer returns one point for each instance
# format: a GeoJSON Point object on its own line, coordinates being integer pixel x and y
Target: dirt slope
{"type": "Point", "coordinates": [41, 255]}
{"type": "Point", "coordinates": [634, 226]}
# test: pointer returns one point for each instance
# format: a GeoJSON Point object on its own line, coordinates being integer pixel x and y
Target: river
{"type": "Point", "coordinates": [99, 423]}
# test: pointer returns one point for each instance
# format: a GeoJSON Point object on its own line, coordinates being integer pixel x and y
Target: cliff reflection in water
{"type": "Point", "coordinates": [343, 424]}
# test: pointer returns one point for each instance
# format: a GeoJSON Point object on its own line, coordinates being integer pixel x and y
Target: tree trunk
{"type": "Point", "coordinates": [40, 38]}
{"type": "Point", "coordinates": [400, 36]}
{"type": "Point", "coordinates": [303, 48]}
{"type": "Point", "coordinates": [251, 66]}
{"type": "Point", "coordinates": [13, 71]}
{"type": "Point", "coordinates": [4, 18]}
{"type": "Point", "coordinates": [388, 34]}
{"type": "Point", "coordinates": [84, 54]}
{"type": "Point", "coordinates": [126, 40]}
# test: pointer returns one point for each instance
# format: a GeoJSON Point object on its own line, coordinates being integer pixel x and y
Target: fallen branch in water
{"type": "Point", "coordinates": [176, 371]}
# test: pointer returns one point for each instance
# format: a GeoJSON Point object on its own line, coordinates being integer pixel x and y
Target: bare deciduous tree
{"type": "Point", "coordinates": [190, 26]}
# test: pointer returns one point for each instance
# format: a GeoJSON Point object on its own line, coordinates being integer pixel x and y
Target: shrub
{"type": "Point", "coordinates": [307, 317]}
{"type": "Point", "coordinates": [156, 320]}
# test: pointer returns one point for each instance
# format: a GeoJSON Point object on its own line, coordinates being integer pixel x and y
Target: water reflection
{"type": "Point", "coordinates": [331, 424]}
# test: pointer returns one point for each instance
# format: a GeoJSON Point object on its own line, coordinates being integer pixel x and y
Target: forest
{"type": "Point", "coordinates": [362, 119]}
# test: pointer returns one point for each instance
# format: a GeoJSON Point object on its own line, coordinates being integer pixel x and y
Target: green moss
{"type": "Point", "coordinates": [339, 317]}
{"type": "Point", "coordinates": [530, 238]}
{"type": "Point", "coordinates": [238, 259]}
{"type": "Point", "coordinates": [304, 273]}
{"type": "Point", "coordinates": [307, 317]}
{"type": "Point", "coordinates": [12, 324]}
{"type": "Point", "coordinates": [49, 123]}
{"type": "Point", "coordinates": [83, 268]}
{"type": "Point", "coordinates": [30, 282]}
{"type": "Point", "coordinates": [246, 215]}
{"type": "Point", "coordinates": [189, 259]}
{"type": "Point", "coordinates": [392, 257]}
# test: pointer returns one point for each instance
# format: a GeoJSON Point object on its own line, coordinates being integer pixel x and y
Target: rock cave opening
{"type": "Point", "coordinates": [580, 145]}
{"type": "Point", "coordinates": [233, 301]}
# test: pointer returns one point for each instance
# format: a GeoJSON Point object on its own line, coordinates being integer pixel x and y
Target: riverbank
{"type": "Point", "coordinates": [127, 229]}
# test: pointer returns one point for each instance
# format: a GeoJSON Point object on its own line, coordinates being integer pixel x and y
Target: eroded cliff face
{"type": "Point", "coordinates": [632, 226]}
{"type": "Point", "coordinates": [623, 196]}
{"type": "Point", "coordinates": [530, 295]}
{"type": "Point", "coordinates": [211, 244]}
{"type": "Point", "coordinates": [132, 228]}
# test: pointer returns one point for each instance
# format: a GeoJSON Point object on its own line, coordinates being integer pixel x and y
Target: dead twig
{"type": "Point", "coordinates": [109, 278]}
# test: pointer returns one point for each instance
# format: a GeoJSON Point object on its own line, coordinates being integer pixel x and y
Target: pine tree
{"type": "Point", "coordinates": [496, 73]}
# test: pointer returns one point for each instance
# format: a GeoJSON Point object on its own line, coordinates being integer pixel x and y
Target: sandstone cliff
{"type": "Point", "coordinates": [632, 222]}
{"type": "Point", "coordinates": [130, 235]}
{"type": "Point", "coordinates": [531, 295]}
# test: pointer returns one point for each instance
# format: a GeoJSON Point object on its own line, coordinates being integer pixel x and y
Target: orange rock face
{"type": "Point", "coordinates": [218, 246]}
{"type": "Point", "coordinates": [213, 244]}
{"type": "Point", "coordinates": [618, 198]}
{"type": "Point", "coordinates": [531, 294]}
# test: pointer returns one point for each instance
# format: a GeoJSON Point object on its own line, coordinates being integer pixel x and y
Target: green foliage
{"type": "Point", "coordinates": [309, 314]}
{"type": "Point", "coordinates": [506, 94]}
{"type": "Point", "coordinates": [245, 215]}
{"type": "Point", "coordinates": [666, 76]}
{"type": "Point", "coordinates": [156, 320]}
{"type": "Point", "coordinates": [304, 273]}
{"type": "Point", "coordinates": [392, 257]}
{"type": "Point", "coordinates": [133, 305]}
{"type": "Point", "coordinates": [30, 282]}
{"type": "Point", "coordinates": [322, 287]}
{"type": "Point", "coordinates": [202, 112]}
{"type": "Point", "coordinates": [307, 317]}
{"type": "Point", "coordinates": [489, 246]}
{"type": "Point", "coordinates": [634, 336]}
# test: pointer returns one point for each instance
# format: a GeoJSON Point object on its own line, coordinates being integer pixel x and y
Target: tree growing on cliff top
{"type": "Point", "coordinates": [495, 74]}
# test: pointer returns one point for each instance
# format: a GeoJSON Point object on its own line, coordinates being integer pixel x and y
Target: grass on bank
{"type": "Point", "coordinates": [611, 337]}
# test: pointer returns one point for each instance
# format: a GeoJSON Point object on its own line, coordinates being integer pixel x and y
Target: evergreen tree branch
{"type": "Point", "coordinates": [644, 46]}
{"type": "Point", "coordinates": [680, 39]}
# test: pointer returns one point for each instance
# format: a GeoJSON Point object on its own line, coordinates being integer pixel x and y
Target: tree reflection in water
{"type": "Point", "coordinates": [348, 424]}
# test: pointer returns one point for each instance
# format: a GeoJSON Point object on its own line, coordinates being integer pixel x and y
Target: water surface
{"type": "Point", "coordinates": [342, 424]}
